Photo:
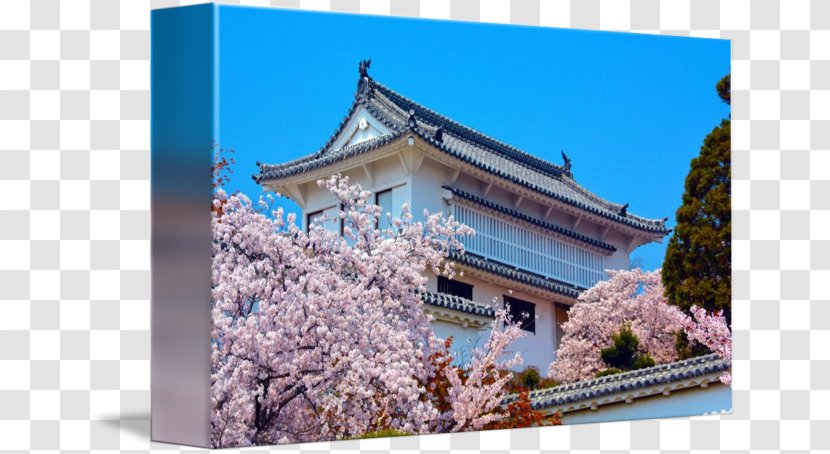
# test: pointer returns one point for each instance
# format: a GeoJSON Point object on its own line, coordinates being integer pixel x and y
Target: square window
{"type": "Point", "coordinates": [331, 222]}
{"type": "Point", "coordinates": [523, 312]}
{"type": "Point", "coordinates": [311, 217]}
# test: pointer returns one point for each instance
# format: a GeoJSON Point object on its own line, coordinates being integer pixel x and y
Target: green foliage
{"type": "Point", "coordinates": [623, 355]}
{"type": "Point", "coordinates": [547, 383]}
{"type": "Point", "coordinates": [606, 372]}
{"type": "Point", "coordinates": [724, 88]}
{"type": "Point", "coordinates": [385, 433]}
{"type": "Point", "coordinates": [530, 378]}
{"type": "Point", "coordinates": [686, 349]}
{"type": "Point", "coordinates": [698, 266]}
{"type": "Point", "coordinates": [643, 361]}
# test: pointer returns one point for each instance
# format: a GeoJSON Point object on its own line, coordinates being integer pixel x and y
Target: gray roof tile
{"type": "Point", "coordinates": [628, 381]}
{"type": "Point", "coordinates": [516, 274]}
{"type": "Point", "coordinates": [399, 114]}
{"type": "Point", "coordinates": [458, 303]}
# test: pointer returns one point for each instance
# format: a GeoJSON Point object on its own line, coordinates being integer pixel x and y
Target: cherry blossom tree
{"type": "Point", "coordinates": [318, 337]}
{"type": "Point", "coordinates": [476, 400]}
{"type": "Point", "coordinates": [632, 297]}
{"type": "Point", "coordinates": [711, 330]}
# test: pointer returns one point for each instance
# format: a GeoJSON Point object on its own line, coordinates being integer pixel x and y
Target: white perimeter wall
{"type": "Point", "coordinates": [716, 398]}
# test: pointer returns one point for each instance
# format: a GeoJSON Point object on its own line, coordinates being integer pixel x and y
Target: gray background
{"type": "Point", "coordinates": [74, 223]}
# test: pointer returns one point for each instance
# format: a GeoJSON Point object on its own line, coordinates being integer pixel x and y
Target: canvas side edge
{"type": "Point", "coordinates": [183, 80]}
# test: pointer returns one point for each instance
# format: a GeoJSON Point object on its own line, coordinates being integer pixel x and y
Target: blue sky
{"type": "Point", "coordinates": [631, 111]}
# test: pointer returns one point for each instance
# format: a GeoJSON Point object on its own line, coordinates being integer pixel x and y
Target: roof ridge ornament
{"type": "Point", "coordinates": [624, 210]}
{"type": "Point", "coordinates": [439, 133]}
{"type": "Point", "coordinates": [363, 83]}
{"type": "Point", "coordinates": [411, 122]}
{"type": "Point", "coordinates": [567, 164]}
{"type": "Point", "coordinates": [363, 67]}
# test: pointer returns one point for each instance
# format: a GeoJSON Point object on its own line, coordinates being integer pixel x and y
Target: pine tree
{"type": "Point", "coordinates": [624, 354]}
{"type": "Point", "coordinates": [697, 268]}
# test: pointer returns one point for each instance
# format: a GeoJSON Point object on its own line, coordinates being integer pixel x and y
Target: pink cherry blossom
{"type": "Point", "coordinates": [319, 337]}
{"type": "Point", "coordinates": [635, 297]}
{"type": "Point", "coordinates": [477, 401]}
{"type": "Point", "coordinates": [712, 331]}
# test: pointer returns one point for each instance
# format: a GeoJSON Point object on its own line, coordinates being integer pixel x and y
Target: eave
{"type": "Point", "coordinates": [515, 279]}
{"type": "Point", "coordinates": [433, 150]}
{"type": "Point", "coordinates": [458, 304]}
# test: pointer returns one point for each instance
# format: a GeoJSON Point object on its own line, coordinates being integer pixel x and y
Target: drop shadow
{"type": "Point", "coordinates": [137, 424]}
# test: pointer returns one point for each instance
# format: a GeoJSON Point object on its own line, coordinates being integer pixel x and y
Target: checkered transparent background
{"type": "Point", "coordinates": [75, 208]}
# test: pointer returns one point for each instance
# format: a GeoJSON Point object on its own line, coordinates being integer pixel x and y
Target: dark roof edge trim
{"type": "Point", "coordinates": [516, 274]}
{"type": "Point", "coordinates": [468, 133]}
{"type": "Point", "coordinates": [270, 172]}
{"type": "Point", "coordinates": [457, 303]}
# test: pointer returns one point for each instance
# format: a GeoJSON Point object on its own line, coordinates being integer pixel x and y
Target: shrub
{"type": "Point", "coordinates": [606, 372]}
{"type": "Point", "coordinates": [530, 378]}
{"type": "Point", "coordinates": [385, 433]}
{"type": "Point", "coordinates": [624, 354]}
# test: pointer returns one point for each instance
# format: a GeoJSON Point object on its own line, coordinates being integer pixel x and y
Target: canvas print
{"type": "Point", "coordinates": [428, 226]}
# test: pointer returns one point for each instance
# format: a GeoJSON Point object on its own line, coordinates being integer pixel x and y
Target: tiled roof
{"type": "Point", "coordinates": [400, 114]}
{"type": "Point", "coordinates": [272, 172]}
{"type": "Point", "coordinates": [516, 274]}
{"type": "Point", "coordinates": [628, 381]}
{"type": "Point", "coordinates": [531, 220]}
{"type": "Point", "coordinates": [458, 303]}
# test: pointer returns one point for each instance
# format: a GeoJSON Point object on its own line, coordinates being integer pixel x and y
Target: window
{"type": "Point", "coordinates": [456, 288]}
{"type": "Point", "coordinates": [561, 312]}
{"type": "Point", "coordinates": [311, 217]}
{"type": "Point", "coordinates": [383, 199]}
{"type": "Point", "coordinates": [331, 224]}
{"type": "Point", "coordinates": [342, 221]}
{"type": "Point", "coordinates": [518, 310]}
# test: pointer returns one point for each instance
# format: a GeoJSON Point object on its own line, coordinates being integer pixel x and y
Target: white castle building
{"type": "Point", "coordinates": [539, 233]}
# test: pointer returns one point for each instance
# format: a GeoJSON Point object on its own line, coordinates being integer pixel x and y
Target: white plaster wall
{"type": "Point", "coordinates": [386, 173]}
{"type": "Point", "coordinates": [537, 349]}
{"type": "Point", "coordinates": [620, 259]}
{"type": "Point", "coordinates": [716, 398]}
{"type": "Point", "coordinates": [427, 188]}
{"type": "Point", "coordinates": [464, 339]}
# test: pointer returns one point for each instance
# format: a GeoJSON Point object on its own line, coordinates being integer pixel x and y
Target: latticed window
{"type": "Point", "coordinates": [525, 248]}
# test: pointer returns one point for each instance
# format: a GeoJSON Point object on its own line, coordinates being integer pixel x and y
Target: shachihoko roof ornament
{"type": "Point", "coordinates": [566, 167]}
